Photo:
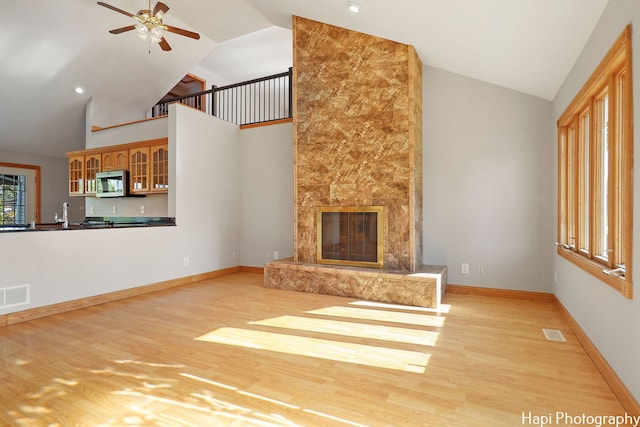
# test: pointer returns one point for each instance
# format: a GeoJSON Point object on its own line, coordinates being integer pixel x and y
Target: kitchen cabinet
{"type": "Point", "coordinates": [139, 170]}
{"type": "Point", "coordinates": [115, 160]}
{"type": "Point", "coordinates": [149, 169]}
{"type": "Point", "coordinates": [159, 168]}
{"type": "Point", "coordinates": [76, 176]}
{"type": "Point", "coordinates": [146, 161]}
{"type": "Point", "coordinates": [91, 168]}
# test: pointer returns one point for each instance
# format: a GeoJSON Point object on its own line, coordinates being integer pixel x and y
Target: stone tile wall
{"type": "Point", "coordinates": [357, 135]}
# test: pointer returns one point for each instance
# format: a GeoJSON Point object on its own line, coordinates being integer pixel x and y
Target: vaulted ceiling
{"type": "Point", "coordinates": [47, 48]}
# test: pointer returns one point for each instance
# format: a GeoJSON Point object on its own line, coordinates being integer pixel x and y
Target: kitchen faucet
{"type": "Point", "coordinates": [65, 215]}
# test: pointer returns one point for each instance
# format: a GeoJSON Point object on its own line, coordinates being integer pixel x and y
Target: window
{"type": "Point", "coordinates": [595, 161]}
{"type": "Point", "coordinates": [19, 193]}
{"type": "Point", "coordinates": [13, 194]}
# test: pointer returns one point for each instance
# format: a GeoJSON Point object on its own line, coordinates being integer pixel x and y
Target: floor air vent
{"type": "Point", "coordinates": [15, 295]}
{"type": "Point", "coordinates": [554, 335]}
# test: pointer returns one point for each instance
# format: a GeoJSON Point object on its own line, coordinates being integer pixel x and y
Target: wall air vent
{"type": "Point", "coordinates": [554, 335]}
{"type": "Point", "coordinates": [14, 295]}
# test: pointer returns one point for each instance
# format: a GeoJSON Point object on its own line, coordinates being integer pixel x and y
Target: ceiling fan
{"type": "Point", "coordinates": [149, 26]}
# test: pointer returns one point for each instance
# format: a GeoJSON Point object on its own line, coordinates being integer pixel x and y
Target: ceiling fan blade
{"type": "Point", "coordinates": [164, 45]}
{"type": "Point", "coordinates": [108, 6]}
{"type": "Point", "coordinates": [123, 29]}
{"type": "Point", "coordinates": [182, 32]}
{"type": "Point", "coordinates": [160, 7]}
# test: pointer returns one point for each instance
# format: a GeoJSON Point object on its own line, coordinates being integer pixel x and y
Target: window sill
{"type": "Point", "coordinates": [622, 285]}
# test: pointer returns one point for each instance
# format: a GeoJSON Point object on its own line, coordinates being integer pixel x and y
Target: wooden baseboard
{"type": "Point", "coordinates": [63, 307]}
{"type": "Point", "coordinates": [501, 293]}
{"type": "Point", "coordinates": [628, 402]}
{"type": "Point", "coordinates": [248, 269]}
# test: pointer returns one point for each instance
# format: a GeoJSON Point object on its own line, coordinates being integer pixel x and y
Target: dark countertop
{"type": "Point", "coordinates": [91, 223]}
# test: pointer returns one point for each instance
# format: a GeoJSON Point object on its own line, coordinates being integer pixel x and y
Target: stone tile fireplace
{"type": "Point", "coordinates": [357, 156]}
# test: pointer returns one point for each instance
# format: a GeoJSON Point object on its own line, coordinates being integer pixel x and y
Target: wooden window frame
{"type": "Point", "coordinates": [595, 193]}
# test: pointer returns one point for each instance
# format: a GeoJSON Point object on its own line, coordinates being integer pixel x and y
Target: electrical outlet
{"type": "Point", "coordinates": [114, 209]}
{"type": "Point", "coordinates": [464, 268]}
{"type": "Point", "coordinates": [481, 270]}
{"type": "Point", "coordinates": [91, 210]}
{"type": "Point", "coordinates": [185, 261]}
{"type": "Point", "coordinates": [275, 255]}
{"type": "Point", "coordinates": [235, 254]}
{"type": "Point", "coordinates": [142, 209]}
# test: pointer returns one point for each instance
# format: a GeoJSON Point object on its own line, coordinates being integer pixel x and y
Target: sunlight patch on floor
{"type": "Point", "coordinates": [331, 417]}
{"type": "Point", "coordinates": [352, 329]}
{"type": "Point", "coordinates": [20, 362]}
{"type": "Point", "coordinates": [442, 308]}
{"type": "Point", "coordinates": [153, 365]}
{"type": "Point", "coordinates": [267, 399]}
{"type": "Point", "coordinates": [208, 381]}
{"type": "Point", "coordinates": [381, 316]}
{"type": "Point", "coordinates": [382, 357]}
{"type": "Point", "coordinates": [162, 411]}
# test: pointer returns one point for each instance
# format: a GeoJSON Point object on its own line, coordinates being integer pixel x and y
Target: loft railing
{"type": "Point", "coordinates": [259, 100]}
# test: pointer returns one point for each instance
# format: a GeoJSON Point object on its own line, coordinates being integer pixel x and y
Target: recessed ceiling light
{"type": "Point", "coordinates": [79, 90]}
{"type": "Point", "coordinates": [354, 7]}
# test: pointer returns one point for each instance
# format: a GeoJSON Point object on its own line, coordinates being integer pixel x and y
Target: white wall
{"type": "Point", "coordinates": [140, 131]}
{"type": "Point", "coordinates": [207, 197]}
{"type": "Point", "coordinates": [152, 205]}
{"type": "Point", "coordinates": [267, 193]}
{"type": "Point", "coordinates": [71, 264]}
{"type": "Point", "coordinates": [488, 183]}
{"type": "Point", "coordinates": [611, 321]}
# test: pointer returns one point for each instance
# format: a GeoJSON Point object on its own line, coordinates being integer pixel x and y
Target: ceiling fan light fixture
{"type": "Point", "coordinates": [156, 34]}
{"type": "Point", "coordinates": [142, 31]}
{"type": "Point", "coordinates": [148, 25]}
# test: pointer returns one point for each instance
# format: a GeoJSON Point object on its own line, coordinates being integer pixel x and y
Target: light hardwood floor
{"type": "Point", "coordinates": [228, 352]}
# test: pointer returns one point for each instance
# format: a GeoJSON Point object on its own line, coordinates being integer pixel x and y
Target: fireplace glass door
{"type": "Point", "coordinates": [350, 236]}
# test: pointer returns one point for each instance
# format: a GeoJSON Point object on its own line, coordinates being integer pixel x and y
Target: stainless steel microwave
{"type": "Point", "coordinates": [112, 183]}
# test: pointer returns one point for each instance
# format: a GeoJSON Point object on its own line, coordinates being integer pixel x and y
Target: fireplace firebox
{"type": "Point", "coordinates": [351, 235]}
